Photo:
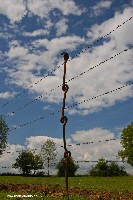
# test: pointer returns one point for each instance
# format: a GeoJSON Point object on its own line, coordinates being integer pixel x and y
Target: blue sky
{"type": "Point", "coordinates": [33, 34]}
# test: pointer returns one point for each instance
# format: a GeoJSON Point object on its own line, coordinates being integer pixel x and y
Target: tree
{"type": "Point", "coordinates": [27, 161]}
{"type": "Point", "coordinates": [103, 168]}
{"type": "Point", "coordinates": [48, 153]}
{"type": "Point", "coordinates": [3, 134]}
{"type": "Point", "coordinates": [127, 144]}
{"type": "Point", "coordinates": [72, 167]}
{"type": "Point", "coordinates": [116, 170]}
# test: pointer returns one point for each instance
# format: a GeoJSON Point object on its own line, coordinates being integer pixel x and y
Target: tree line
{"type": "Point", "coordinates": [29, 162]}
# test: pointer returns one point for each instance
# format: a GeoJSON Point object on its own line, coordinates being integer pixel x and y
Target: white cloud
{"type": "Point", "coordinates": [122, 36]}
{"type": "Point", "coordinates": [88, 135]}
{"type": "Point", "coordinates": [40, 32]}
{"type": "Point", "coordinates": [108, 150]}
{"type": "Point", "coordinates": [14, 9]}
{"type": "Point", "coordinates": [36, 33]}
{"type": "Point", "coordinates": [61, 27]}
{"type": "Point", "coordinates": [43, 8]}
{"type": "Point", "coordinates": [17, 52]}
{"type": "Point", "coordinates": [39, 60]}
{"type": "Point", "coordinates": [6, 95]}
{"type": "Point", "coordinates": [100, 7]}
{"type": "Point", "coordinates": [8, 159]}
{"type": "Point", "coordinates": [108, 76]}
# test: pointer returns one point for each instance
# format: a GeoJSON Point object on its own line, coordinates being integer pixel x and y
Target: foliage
{"type": "Point", "coordinates": [48, 150]}
{"type": "Point", "coordinates": [3, 134]}
{"type": "Point", "coordinates": [48, 153]}
{"type": "Point", "coordinates": [116, 170]}
{"type": "Point", "coordinates": [72, 167]}
{"type": "Point", "coordinates": [103, 168]}
{"type": "Point", "coordinates": [127, 144]}
{"type": "Point", "coordinates": [27, 161]}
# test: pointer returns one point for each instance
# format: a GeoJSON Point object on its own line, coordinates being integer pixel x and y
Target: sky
{"type": "Point", "coordinates": [33, 35]}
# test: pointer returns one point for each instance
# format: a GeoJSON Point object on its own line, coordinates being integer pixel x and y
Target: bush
{"type": "Point", "coordinates": [103, 168]}
{"type": "Point", "coordinates": [72, 167]}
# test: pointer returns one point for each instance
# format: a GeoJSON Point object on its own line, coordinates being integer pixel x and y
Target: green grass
{"type": "Point", "coordinates": [98, 183]}
{"type": "Point", "coordinates": [113, 184]}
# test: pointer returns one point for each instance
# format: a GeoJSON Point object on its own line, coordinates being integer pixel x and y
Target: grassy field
{"type": "Point", "coordinates": [80, 187]}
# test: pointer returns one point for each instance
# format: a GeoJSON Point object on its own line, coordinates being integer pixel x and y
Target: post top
{"type": "Point", "coordinates": [66, 56]}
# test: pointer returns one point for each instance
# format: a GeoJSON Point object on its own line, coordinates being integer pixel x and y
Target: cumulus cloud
{"type": "Point", "coordinates": [28, 61]}
{"type": "Point", "coordinates": [90, 134]}
{"type": "Point", "coordinates": [43, 8]}
{"type": "Point", "coordinates": [110, 75]}
{"type": "Point", "coordinates": [6, 95]}
{"type": "Point", "coordinates": [122, 36]}
{"type": "Point", "coordinates": [83, 152]}
{"type": "Point", "coordinates": [101, 6]}
{"type": "Point", "coordinates": [40, 32]}
{"type": "Point", "coordinates": [61, 27]}
{"type": "Point", "coordinates": [36, 33]}
{"type": "Point", "coordinates": [17, 52]}
{"type": "Point", "coordinates": [15, 10]}
{"type": "Point", "coordinates": [7, 159]}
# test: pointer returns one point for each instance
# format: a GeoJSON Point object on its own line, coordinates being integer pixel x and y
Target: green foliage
{"type": "Point", "coordinates": [3, 134]}
{"type": "Point", "coordinates": [116, 170]}
{"type": "Point", "coordinates": [27, 161]}
{"type": "Point", "coordinates": [48, 153]}
{"type": "Point", "coordinates": [127, 144]}
{"type": "Point", "coordinates": [48, 150]}
{"type": "Point", "coordinates": [72, 167]}
{"type": "Point", "coordinates": [103, 168]}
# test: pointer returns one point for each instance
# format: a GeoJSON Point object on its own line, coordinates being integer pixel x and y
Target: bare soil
{"type": "Point", "coordinates": [57, 191]}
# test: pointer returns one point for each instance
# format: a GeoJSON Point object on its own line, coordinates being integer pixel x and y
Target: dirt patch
{"type": "Point", "coordinates": [57, 191]}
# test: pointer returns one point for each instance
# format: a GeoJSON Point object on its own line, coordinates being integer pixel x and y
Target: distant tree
{"type": "Point", "coordinates": [72, 167]}
{"type": "Point", "coordinates": [127, 144]}
{"type": "Point", "coordinates": [48, 153]}
{"type": "Point", "coordinates": [101, 168]}
{"type": "Point", "coordinates": [27, 161]}
{"type": "Point", "coordinates": [116, 170]}
{"type": "Point", "coordinates": [104, 168]}
{"type": "Point", "coordinates": [3, 134]}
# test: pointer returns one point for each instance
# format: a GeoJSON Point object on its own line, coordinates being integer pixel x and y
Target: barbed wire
{"type": "Point", "coordinates": [95, 97]}
{"type": "Point", "coordinates": [92, 142]}
{"type": "Point", "coordinates": [47, 93]}
{"type": "Point", "coordinates": [18, 151]}
{"type": "Point", "coordinates": [102, 62]}
{"type": "Point", "coordinates": [95, 161]}
{"type": "Point", "coordinates": [25, 90]}
{"type": "Point", "coordinates": [70, 145]}
{"type": "Point", "coordinates": [90, 45]}
{"type": "Point", "coordinates": [84, 101]}
{"type": "Point", "coordinates": [77, 161]}
{"type": "Point", "coordinates": [101, 38]}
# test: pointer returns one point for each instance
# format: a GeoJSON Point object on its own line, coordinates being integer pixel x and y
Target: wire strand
{"type": "Point", "coordinates": [92, 142]}
{"type": "Point", "coordinates": [90, 45]}
{"type": "Point", "coordinates": [101, 38]}
{"type": "Point", "coordinates": [47, 93]}
{"type": "Point", "coordinates": [84, 101]}
{"type": "Point", "coordinates": [78, 161]}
